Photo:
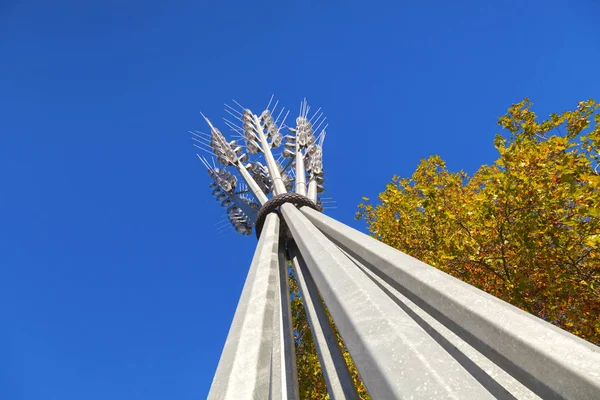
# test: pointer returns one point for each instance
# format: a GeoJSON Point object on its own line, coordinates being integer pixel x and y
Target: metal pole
{"type": "Point", "coordinates": [312, 190]}
{"type": "Point", "coordinates": [287, 351]}
{"type": "Point", "coordinates": [497, 381]}
{"type": "Point", "coordinates": [256, 190]}
{"type": "Point", "coordinates": [277, 365]}
{"type": "Point", "coordinates": [245, 365]}
{"type": "Point", "coordinates": [278, 185]}
{"type": "Point", "coordinates": [300, 171]}
{"type": "Point", "coordinates": [335, 370]}
{"type": "Point", "coordinates": [394, 355]}
{"type": "Point", "coordinates": [551, 362]}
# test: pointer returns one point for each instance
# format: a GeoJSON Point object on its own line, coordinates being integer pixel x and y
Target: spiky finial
{"type": "Point", "coordinates": [250, 157]}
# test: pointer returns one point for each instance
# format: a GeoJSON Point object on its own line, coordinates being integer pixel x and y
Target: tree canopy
{"type": "Point", "coordinates": [525, 228]}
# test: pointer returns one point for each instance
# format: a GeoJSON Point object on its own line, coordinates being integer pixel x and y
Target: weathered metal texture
{"type": "Point", "coordinates": [549, 361]}
{"type": "Point", "coordinates": [394, 355]}
{"type": "Point", "coordinates": [497, 381]}
{"type": "Point", "coordinates": [245, 366]}
{"type": "Point", "coordinates": [335, 370]}
{"type": "Point", "coordinates": [277, 366]}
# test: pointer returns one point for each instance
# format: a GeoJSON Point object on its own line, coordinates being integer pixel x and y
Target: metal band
{"type": "Point", "coordinates": [275, 202]}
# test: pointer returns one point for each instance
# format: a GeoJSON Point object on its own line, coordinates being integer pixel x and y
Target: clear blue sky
{"type": "Point", "coordinates": [113, 283]}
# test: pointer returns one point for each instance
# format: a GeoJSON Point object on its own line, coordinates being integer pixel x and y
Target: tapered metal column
{"type": "Point", "coordinates": [278, 185]}
{"type": "Point", "coordinates": [335, 370]}
{"type": "Point", "coordinates": [277, 367]}
{"type": "Point", "coordinates": [258, 193]}
{"type": "Point", "coordinates": [285, 354]}
{"type": "Point", "coordinates": [395, 356]}
{"type": "Point", "coordinates": [300, 172]}
{"type": "Point", "coordinates": [549, 361]}
{"type": "Point", "coordinates": [497, 381]}
{"type": "Point", "coordinates": [312, 190]}
{"type": "Point", "coordinates": [245, 365]}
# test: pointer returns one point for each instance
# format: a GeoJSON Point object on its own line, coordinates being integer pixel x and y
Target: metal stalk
{"type": "Point", "coordinates": [258, 193]}
{"type": "Point", "coordinates": [335, 370]}
{"type": "Point", "coordinates": [278, 185]}
{"type": "Point", "coordinates": [300, 172]}
{"type": "Point", "coordinates": [285, 355]}
{"type": "Point", "coordinates": [245, 365]}
{"type": "Point", "coordinates": [394, 355]}
{"type": "Point", "coordinates": [312, 190]}
{"type": "Point", "coordinates": [548, 360]}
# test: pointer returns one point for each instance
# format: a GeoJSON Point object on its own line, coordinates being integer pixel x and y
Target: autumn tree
{"type": "Point", "coordinates": [525, 228]}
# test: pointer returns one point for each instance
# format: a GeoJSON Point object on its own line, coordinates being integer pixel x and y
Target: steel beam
{"type": "Point", "coordinates": [278, 185]}
{"type": "Point", "coordinates": [287, 350]}
{"type": "Point", "coordinates": [493, 378]}
{"type": "Point", "coordinates": [312, 190]}
{"type": "Point", "coordinates": [277, 365]}
{"type": "Point", "coordinates": [300, 171]}
{"type": "Point", "coordinates": [549, 361]}
{"type": "Point", "coordinates": [394, 355]}
{"type": "Point", "coordinates": [256, 190]}
{"type": "Point", "coordinates": [335, 370]}
{"type": "Point", "coordinates": [245, 365]}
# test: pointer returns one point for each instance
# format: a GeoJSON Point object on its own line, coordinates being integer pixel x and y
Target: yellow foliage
{"type": "Point", "coordinates": [525, 229]}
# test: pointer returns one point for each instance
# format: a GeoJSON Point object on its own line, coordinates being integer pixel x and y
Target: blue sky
{"type": "Point", "coordinates": [113, 281]}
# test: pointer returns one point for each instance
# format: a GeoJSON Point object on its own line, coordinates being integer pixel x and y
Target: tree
{"type": "Point", "coordinates": [525, 229]}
